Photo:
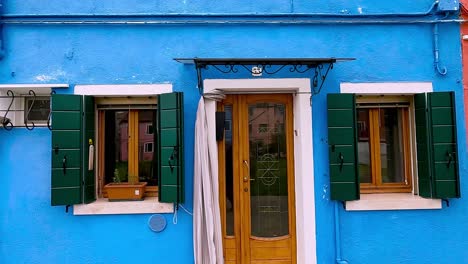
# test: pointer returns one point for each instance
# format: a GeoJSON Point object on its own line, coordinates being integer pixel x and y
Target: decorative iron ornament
{"type": "Point", "coordinates": [268, 168]}
{"type": "Point", "coordinates": [319, 67]}
{"type": "Point", "coordinates": [5, 120]}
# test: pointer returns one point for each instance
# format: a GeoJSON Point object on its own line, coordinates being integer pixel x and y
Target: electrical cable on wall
{"type": "Point", "coordinates": [174, 217]}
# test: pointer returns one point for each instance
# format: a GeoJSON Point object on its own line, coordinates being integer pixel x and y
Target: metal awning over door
{"type": "Point", "coordinates": [319, 67]}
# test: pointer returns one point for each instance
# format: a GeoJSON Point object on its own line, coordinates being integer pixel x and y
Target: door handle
{"type": "Point", "coordinates": [247, 164]}
{"type": "Point", "coordinates": [246, 178]}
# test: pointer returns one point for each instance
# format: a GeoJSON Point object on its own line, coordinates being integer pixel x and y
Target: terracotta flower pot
{"type": "Point", "coordinates": [124, 191]}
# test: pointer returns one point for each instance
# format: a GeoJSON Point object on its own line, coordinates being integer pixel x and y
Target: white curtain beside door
{"type": "Point", "coordinates": [207, 235]}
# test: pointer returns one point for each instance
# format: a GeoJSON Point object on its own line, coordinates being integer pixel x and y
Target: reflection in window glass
{"type": "Point", "coordinates": [116, 146]}
{"type": "Point", "coordinates": [39, 111]}
{"type": "Point", "coordinates": [146, 168]}
{"type": "Point", "coordinates": [229, 173]}
{"type": "Point", "coordinates": [391, 145]}
{"type": "Point", "coordinates": [363, 128]}
{"type": "Point", "coordinates": [268, 170]}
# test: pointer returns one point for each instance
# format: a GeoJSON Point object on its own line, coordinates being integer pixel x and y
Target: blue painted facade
{"type": "Point", "coordinates": [31, 231]}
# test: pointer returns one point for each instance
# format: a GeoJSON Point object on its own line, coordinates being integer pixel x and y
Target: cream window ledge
{"type": "Point", "coordinates": [102, 206]}
{"type": "Point", "coordinates": [392, 201]}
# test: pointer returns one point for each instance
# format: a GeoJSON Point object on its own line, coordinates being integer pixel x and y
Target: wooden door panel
{"type": "Point", "coordinates": [270, 253]}
{"type": "Point", "coordinates": [264, 244]}
{"type": "Point", "coordinates": [271, 262]}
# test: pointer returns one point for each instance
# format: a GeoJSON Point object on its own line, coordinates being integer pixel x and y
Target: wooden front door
{"type": "Point", "coordinates": [256, 168]}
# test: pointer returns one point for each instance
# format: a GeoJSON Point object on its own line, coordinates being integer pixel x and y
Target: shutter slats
{"type": "Point", "coordinates": [170, 147]}
{"type": "Point", "coordinates": [344, 176]}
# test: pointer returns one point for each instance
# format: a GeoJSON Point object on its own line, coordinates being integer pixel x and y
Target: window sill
{"type": "Point", "coordinates": [103, 207]}
{"type": "Point", "coordinates": [392, 201]}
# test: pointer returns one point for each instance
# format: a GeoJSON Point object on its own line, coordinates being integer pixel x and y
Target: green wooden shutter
{"type": "Point", "coordinates": [170, 147]}
{"type": "Point", "coordinates": [423, 145]}
{"type": "Point", "coordinates": [342, 141]}
{"type": "Point", "coordinates": [89, 181]}
{"type": "Point", "coordinates": [72, 128]}
{"type": "Point", "coordinates": [67, 156]}
{"type": "Point", "coordinates": [438, 173]}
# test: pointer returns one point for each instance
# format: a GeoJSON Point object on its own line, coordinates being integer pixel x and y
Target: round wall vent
{"type": "Point", "coordinates": [157, 223]}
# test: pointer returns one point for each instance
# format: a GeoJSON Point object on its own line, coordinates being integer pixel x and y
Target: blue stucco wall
{"type": "Point", "coordinates": [31, 231]}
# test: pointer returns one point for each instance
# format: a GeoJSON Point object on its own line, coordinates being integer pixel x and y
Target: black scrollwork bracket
{"type": "Point", "coordinates": [7, 114]}
{"type": "Point", "coordinates": [6, 122]}
{"type": "Point", "coordinates": [26, 119]}
{"type": "Point", "coordinates": [319, 67]}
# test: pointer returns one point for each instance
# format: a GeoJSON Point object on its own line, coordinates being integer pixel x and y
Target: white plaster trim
{"type": "Point", "coordinates": [392, 201]}
{"type": "Point", "coordinates": [387, 88]}
{"type": "Point", "coordinates": [303, 152]}
{"type": "Point", "coordinates": [123, 89]}
{"type": "Point", "coordinates": [32, 86]}
{"type": "Point", "coordinates": [103, 207]}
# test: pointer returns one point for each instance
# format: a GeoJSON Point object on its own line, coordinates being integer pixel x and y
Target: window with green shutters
{"type": "Point", "coordinates": [73, 177]}
{"type": "Point", "coordinates": [435, 155]}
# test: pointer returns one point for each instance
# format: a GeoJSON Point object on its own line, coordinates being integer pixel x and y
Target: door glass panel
{"type": "Point", "coordinates": [391, 145]}
{"type": "Point", "coordinates": [146, 168]}
{"type": "Point", "coordinates": [268, 170]}
{"type": "Point", "coordinates": [229, 171]}
{"type": "Point", "coordinates": [363, 146]}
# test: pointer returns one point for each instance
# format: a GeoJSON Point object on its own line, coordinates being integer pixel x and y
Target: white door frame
{"type": "Point", "coordinates": [303, 147]}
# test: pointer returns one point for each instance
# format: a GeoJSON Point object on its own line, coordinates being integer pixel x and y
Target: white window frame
{"type": "Point", "coordinates": [145, 147]}
{"type": "Point", "coordinates": [148, 128]}
{"type": "Point", "coordinates": [101, 206]}
{"type": "Point", "coordinates": [392, 201]}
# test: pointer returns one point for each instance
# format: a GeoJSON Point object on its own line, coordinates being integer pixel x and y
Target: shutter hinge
{"type": "Point", "coordinates": [447, 202]}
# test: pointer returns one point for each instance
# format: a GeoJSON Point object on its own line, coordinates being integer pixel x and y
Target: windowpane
{"type": "Point", "coordinates": [116, 146]}
{"type": "Point", "coordinates": [268, 171]}
{"type": "Point", "coordinates": [229, 173]}
{"type": "Point", "coordinates": [363, 127]}
{"type": "Point", "coordinates": [146, 170]}
{"type": "Point", "coordinates": [39, 110]}
{"type": "Point", "coordinates": [391, 145]}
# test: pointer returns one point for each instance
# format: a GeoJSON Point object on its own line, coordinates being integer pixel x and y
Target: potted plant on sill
{"type": "Point", "coordinates": [133, 190]}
